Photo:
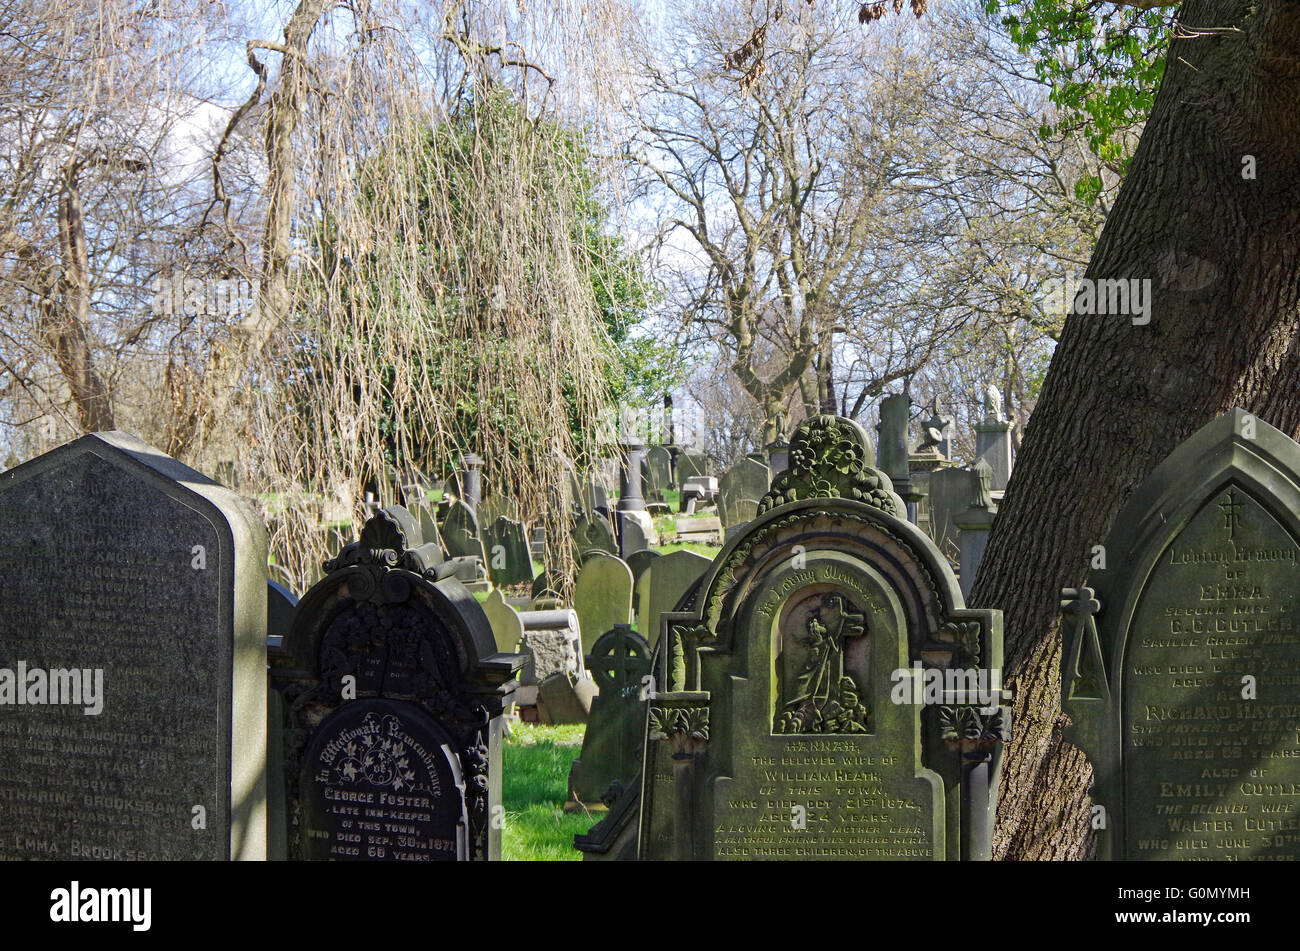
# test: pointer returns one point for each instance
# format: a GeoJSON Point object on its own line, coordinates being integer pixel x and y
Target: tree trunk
{"type": "Point", "coordinates": [66, 311]}
{"type": "Point", "coordinates": [1222, 251]}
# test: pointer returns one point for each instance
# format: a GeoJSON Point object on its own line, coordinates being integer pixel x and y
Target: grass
{"type": "Point", "coordinates": [708, 551]}
{"type": "Point", "coordinates": [534, 785]}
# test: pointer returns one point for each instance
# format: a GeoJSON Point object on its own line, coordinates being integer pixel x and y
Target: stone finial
{"type": "Point", "coordinates": [993, 405]}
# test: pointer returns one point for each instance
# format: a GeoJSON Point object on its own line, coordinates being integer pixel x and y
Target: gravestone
{"type": "Point", "coordinates": [551, 642]}
{"type": "Point", "coordinates": [428, 525]}
{"type": "Point", "coordinates": [461, 537]}
{"type": "Point", "coordinates": [1180, 657]}
{"type": "Point", "coordinates": [639, 562]}
{"type": "Point", "coordinates": [392, 691]}
{"type": "Point", "coordinates": [895, 414]}
{"type": "Point", "coordinates": [509, 559]}
{"type": "Point", "coordinates": [547, 587]}
{"type": "Point", "coordinates": [795, 714]}
{"type": "Point", "coordinates": [705, 529]}
{"type": "Point", "coordinates": [408, 523]}
{"type": "Point", "coordinates": [662, 586]}
{"type": "Point", "coordinates": [698, 491]}
{"type": "Point", "coordinates": [637, 533]}
{"type": "Point", "coordinates": [133, 630]}
{"type": "Point", "coordinates": [974, 524]}
{"type": "Point", "coordinates": [498, 506]}
{"type": "Point", "coordinates": [594, 534]}
{"type": "Point", "coordinates": [565, 698]}
{"type": "Point", "coordinates": [595, 495]}
{"type": "Point", "coordinates": [740, 490]}
{"type": "Point", "coordinates": [381, 783]}
{"type": "Point", "coordinates": [659, 463]}
{"type": "Point", "coordinates": [689, 465]}
{"type": "Point", "coordinates": [507, 626]}
{"type": "Point", "coordinates": [602, 596]}
{"type": "Point", "coordinates": [577, 504]}
{"type": "Point", "coordinates": [612, 745]}
{"type": "Point", "coordinates": [280, 605]}
{"type": "Point", "coordinates": [949, 497]}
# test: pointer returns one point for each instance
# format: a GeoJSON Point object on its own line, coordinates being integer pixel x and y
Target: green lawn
{"type": "Point", "coordinates": [534, 785]}
{"type": "Point", "coordinates": [708, 551]}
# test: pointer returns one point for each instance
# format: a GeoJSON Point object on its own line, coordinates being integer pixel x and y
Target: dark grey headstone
{"type": "Point", "coordinates": [612, 744]}
{"type": "Point", "coordinates": [1179, 663]}
{"type": "Point", "coordinates": [594, 534]}
{"type": "Point", "coordinates": [385, 625]}
{"type": "Point", "coordinates": [381, 784]}
{"type": "Point", "coordinates": [121, 560]}
{"type": "Point", "coordinates": [460, 533]}
{"type": "Point", "coordinates": [659, 465]}
{"type": "Point", "coordinates": [509, 560]}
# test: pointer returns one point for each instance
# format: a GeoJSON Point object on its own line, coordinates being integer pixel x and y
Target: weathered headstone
{"type": "Point", "coordinates": [636, 533]}
{"type": "Point", "coordinates": [639, 562]}
{"type": "Point", "coordinates": [611, 747]}
{"type": "Point", "coordinates": [594, 534]}
{"type": "Point", "coordinates": [602, 596]}
{"type": "Point", "coordinates": [949, 496]}
{"type": "Point", "coordinates": [393, 691]}
{"type": "Point", "coordinates": [551, 642]}
{"type": "Point", "coordinates": [662, 587]}
{"type": "Point", "coordinates": [509, 560]}
{"type": "Point", "coordinates": [460, 533]}
{"type": "Point", "coordinates": [133, 631]}
{"type": "Point", "coordinates": [974, 524]}
{"type": "Point", "coordinates": [565, 698]}
{"type": "Point", "coordinates": [428, 525]}
{"type": "Point", "coordinates": [690, 464]}
{"type": "Point", "coordinates": [706, 529]}
{"type": "Point", "coordinates": [1179, 664]}
{"type": "Point", "coordinates": [785, 721]}
{"type": "Point", "coordinates": [280, 605]}
{"type": "Point", "coordinates": [547, 586]}
{"type": "Point", "coordinates": [698, 491]}
{"type": "Point", "coordinates": [507, 626]}
{"type": "Point", "coordinates": [740, 490]}
{"type": "Point", "coordinates": [595, 495]}
{"type": "Point", "coordinates": [659, 462]}
{"type": "Point", "coordinates": [497, 506]}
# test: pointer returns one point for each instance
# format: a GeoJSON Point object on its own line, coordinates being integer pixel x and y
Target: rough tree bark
{"type": "Point", "coordinates": [1222, 251]}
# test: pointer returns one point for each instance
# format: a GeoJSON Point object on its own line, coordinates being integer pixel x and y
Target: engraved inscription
{"type": "Point", "coordinates": [98, 574]}
{"type": "Point", "coordinates": [1211, 705]}
{"type": "Point", "coordinates": [851, 807]}
{"type": "Point", "coordinates": [380, 788]}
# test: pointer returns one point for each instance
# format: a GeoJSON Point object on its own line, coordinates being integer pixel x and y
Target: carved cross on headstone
{"type": "Point", "coordinates": [1231, 509]}
{"type": "Point", "coordinates": [618, 661]}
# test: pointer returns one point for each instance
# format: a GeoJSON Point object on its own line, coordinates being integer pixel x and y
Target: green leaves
{"type": "Point", "coordinates": [1103, 63]}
